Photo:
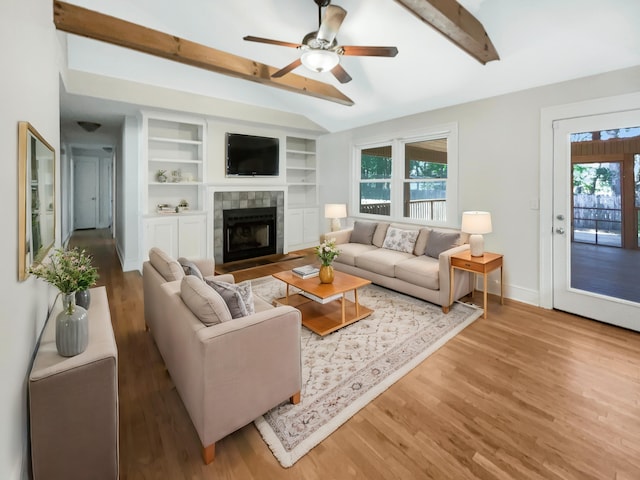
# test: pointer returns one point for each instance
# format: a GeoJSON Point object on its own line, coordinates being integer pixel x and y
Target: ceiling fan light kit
{"type": "Point", "coordinates": [319, 60]}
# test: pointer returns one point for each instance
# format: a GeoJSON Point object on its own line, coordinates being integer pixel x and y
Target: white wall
{"type": "Point", "coordinates": [499, 164]}
{"type": "Point", "coordinates": [127, 198]}
{"type": "Point", "coordinates": [28, 91]}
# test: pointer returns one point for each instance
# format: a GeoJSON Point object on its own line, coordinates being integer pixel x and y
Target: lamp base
{"type": "Point", "coordinates": [335, 224]}
{"type": "Point", "coordinates": [476, 242]}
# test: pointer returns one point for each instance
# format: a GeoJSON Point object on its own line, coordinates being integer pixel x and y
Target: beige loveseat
{"type": "Point", "coordinates": [383, 253]}
{"type": "Point", "coordinates": [230, 372]}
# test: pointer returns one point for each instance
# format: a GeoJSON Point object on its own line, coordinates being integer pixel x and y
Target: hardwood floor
{"type": "Point", "coordinates": [525, 394]}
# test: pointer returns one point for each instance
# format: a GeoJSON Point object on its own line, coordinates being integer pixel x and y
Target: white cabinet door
{"type": "Point", "coordinates": [161, 233]}
{"type": "Point", "coordinates": [311, 232]}
{"type": "Point", "coordinates": [295, 227]}
{"type": "Point", "coordinates": [192, 234]}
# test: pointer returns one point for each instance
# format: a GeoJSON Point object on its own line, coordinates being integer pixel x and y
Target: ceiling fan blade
{"type": "Point", "coordinates": [368, 51]}
{"type": "Point", "coordinates": [341, 74]}
{"type": "Point", "coordinates": [251, 38]}
{"type": "Point", "coordinates": [333, 17]}
{"type": "Point", "coordinates": [283, 71]}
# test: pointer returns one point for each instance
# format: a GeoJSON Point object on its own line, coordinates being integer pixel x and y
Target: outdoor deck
{"type": "Point", "coordinates": [610, 271]}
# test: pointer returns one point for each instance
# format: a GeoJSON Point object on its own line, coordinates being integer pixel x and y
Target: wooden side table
{"type": "Point", "coordinates": [485, 264]}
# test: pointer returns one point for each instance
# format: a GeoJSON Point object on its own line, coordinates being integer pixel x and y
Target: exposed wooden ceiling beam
{"type": "Point", "coordinates": [457, 24]}
{"type": "Point", "coordinates": [88, 23]}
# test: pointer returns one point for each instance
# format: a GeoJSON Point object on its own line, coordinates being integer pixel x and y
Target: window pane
{"type": "Point", "coordinates": [597, 203]}
{"type": "Point", "coordinates": [375, 198]}
{"type": "Point", "coordinates": [375, 163]}
{"type": "Point", "coordinates": [636, 176]}
{"type": "Point", "coordinates": [425, 160]}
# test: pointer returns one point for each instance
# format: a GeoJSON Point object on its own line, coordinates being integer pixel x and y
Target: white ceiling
{"type": "Point", "coordinates": [539, 42]}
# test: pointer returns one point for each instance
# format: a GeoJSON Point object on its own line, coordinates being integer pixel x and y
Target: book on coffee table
{"type": "Point", "coordinates": [306, 271]}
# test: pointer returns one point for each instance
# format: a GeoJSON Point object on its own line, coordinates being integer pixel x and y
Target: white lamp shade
{"type": "Point", "coordinates": [335, 210]}
{"type": "Point", "coordinates": [319, 60]}
{"type": "Point", "coordinates": [476, 223]}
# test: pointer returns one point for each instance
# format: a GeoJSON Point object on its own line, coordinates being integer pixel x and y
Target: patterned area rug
{"type": "Point", "coordinates": [347, 369]}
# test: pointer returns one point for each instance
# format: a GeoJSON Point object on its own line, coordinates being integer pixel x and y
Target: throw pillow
{"type": "Point", "coordinates": [168, 267]}
{"type": "Point", "coordinates": [400, 240]}
{"type": "Point", "coordinates": [363, 232]}
{"type": "Point", "coordinates": [203, 301]}
{"type": "Point", "coordinates": [439, 242]}
{"type": "Point", "coordinates": [190, 268]}
{"type": "Point", "coordinates": [244, 289]}
{"type": "Point", "coordinates": [380, 234]}
{"type": "Point", "coordinates": [421, 241]}
{"type": "Point", "coordinates": [234, 295]}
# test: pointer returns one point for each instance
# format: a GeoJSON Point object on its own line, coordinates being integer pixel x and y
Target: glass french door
{"type": "Point", "coordinates": [596, 254]}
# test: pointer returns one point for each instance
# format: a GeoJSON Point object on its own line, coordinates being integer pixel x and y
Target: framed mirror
{"type": "Point", "coordinates": [36, 198]}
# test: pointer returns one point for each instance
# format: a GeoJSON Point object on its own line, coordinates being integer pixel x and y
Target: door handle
{"type": "Point", "coordinates": [560, 216]}
{"type": "Point", "coordinates": [560, 230]}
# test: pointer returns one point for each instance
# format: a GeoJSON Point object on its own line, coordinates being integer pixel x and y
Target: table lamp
{"type": "Point", "coordinates": [335, 211]}
{"type": "Point", "coordinates": [476, 224]}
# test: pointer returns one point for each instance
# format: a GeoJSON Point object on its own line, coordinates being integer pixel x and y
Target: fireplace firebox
{"type": "Point", "coordinates": [249, 233]}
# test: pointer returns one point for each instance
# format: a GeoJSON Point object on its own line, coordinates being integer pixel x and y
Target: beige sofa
{"type": "Point", "coordinates": [229, 373]}
{"type": "Point", "coordinates": [368, 250]}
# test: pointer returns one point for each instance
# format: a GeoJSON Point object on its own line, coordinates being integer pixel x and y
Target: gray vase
{"type": "Point", "coordinates": [83, 299]}
{"type": "Point", "coordinates": [72, 327]}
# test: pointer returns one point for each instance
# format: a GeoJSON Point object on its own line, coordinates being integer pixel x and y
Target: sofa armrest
{"type": "Point", "coordinates": [225, 277]}
{"type": "Point", "coordinates": [251, 364]}
{"type": "Point", "coordinates": [444, 260]}
{"type": "Point", "coordinates": [341, 236]}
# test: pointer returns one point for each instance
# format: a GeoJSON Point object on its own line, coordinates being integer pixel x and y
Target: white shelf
{"type": "Point", "coordinates": [301, 152]}
{"type": "Point", "coordinates": [173, 160]}
{"type": "Point", "coordinates": [312, 169]}
{"type": "Point", "coordinates": [175, 140]}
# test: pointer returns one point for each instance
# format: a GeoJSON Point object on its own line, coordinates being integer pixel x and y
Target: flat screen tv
{"type": "Point", "coordinates": [250, 155]}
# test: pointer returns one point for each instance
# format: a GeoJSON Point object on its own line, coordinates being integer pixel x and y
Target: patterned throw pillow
{"type": "Point", "coordinates": [400, 240]}
{"type": "Point", "coordinates": [438, 242]}
{"type": "Point", "coordinates": [190, 268]}
{"type": "Point", "coordinates": [238, 297]}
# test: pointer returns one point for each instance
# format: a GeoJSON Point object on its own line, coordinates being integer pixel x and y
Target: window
{"type": "Point", "coordinates": [410, 178]}
{"type": "Point", "coordinates": [425, 180]}
{"type": "Point", "coordinates": [375, 180]}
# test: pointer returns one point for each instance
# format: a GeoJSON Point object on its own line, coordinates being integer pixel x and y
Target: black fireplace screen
{"type": "Point", "coordinates": [249, 233]}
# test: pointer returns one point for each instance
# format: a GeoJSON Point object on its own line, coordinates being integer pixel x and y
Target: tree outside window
{"type": "Point", "coordinates": [375, 180]}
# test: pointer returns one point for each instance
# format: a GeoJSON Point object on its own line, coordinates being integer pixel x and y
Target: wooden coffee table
{"type": "Point", "coordinates": [323, 306]}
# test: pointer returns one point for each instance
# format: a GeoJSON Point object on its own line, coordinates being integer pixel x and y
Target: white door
{"type": "Point", "coordinates": [85, 192]}
{"type": "Point", "coordinates": [566, 295]}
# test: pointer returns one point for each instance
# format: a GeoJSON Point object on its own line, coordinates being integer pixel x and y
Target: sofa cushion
{"type": "Point", "coordinates": [232, 297]}
{"type": "Point", "coordinates": [190, 268]}
{"type": "Point", "coordinates": [167, 266]}
{"type": "Point", "coordinates": [400, 240]}
{"type": "Point", "coordinates": [349, 252]}
{"type": "Point", "coordinates": [422, 271]}
{"type": "Point", "coordinates": [421, 241]}
{"type": "Point", "coordinates": [381, 261]}
{"type": "Point", "coordinates": [203, 301]}
{"type": "Point", "coordinates": [363, 232]}
{"type": "Point", "coordinates": [440, 241]}
{"type": "Point", "coordinates": [380, 234]}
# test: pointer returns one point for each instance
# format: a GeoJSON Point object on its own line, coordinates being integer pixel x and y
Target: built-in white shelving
{"type": "Point", "coordinates": [176, 146]}
{"type": "Point", "coordinates": [302, 190]}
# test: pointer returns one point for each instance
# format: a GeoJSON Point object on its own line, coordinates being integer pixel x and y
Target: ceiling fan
{"type": "Point", "coordinates": [320, 50]}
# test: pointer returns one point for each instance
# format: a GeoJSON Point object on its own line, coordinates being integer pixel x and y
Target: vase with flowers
{"type": "Point", "coordinates": [327, 252]}
{"type": "Point", "coordinates": [69, 271]}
